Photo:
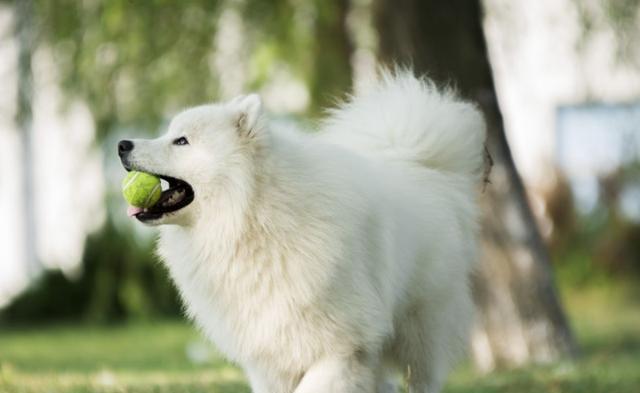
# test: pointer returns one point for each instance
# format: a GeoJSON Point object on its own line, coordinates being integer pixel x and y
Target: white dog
{"type": "Point", "coordinates": [327, 262]}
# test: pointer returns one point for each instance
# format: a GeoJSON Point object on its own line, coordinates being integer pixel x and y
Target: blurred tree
{"type": "Point", "coordinates": [617, 248]}
{"type": "Point", "coordinates": [332, 53]}
{"type": "Point", "coordinates": [311, 37]}
{"type": "Point", "coordinates": [592, 246]}
{"type": "Point", "coordinates": [561, 210]}
{"type": "Point", "coordinates": [131, 61]}
{"type": "Point", "coordinates": [24, 31]}
{"type": "Point", "coordinates": [520, 317]}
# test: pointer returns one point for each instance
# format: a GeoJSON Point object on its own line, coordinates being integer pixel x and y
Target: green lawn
{"type": "Point", "coordinates": [153, 357]}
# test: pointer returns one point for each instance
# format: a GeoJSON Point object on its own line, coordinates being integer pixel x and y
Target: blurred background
{"type": "Point", "coordinates": [84, 304]}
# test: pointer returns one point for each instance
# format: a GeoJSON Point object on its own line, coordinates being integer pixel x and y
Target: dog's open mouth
{"type": "Point", "coordinates": [178, 195]}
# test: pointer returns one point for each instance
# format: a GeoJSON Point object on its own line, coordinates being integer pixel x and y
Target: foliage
{"type": "Point", "coordinates": [132, 60]}
{"type": "Point", "coordinates": [121, 279]}
{"type": "Point", "coordinates": [600, 244]}
{"type": "Point", "coordinates": [136, 61]}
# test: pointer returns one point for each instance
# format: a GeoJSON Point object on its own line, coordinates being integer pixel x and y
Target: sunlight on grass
{"type": "Point", "coordinates": [128, 358]}
{"type": "Point", "coordinates": [155, 357]}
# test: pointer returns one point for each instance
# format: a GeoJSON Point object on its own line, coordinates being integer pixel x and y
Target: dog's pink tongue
{"type": "Point", "coordinates": [132, 210]}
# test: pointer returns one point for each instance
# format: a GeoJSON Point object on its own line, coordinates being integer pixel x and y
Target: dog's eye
{"type": "Point", "coordinates": [181, 141]}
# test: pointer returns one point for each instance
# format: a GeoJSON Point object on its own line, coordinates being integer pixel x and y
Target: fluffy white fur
{"type": "Point", "coordinates": [328, 262]}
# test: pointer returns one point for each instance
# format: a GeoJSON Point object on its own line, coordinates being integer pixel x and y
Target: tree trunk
{"type": "Point", "coordinates": [332, 53]}
{"type": "Point", "coordinates": [24, 32]}
{"type": "Point", "coordinates": [520, 318]}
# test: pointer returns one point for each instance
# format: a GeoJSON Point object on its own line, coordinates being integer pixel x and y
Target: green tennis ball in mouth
{"type": "Point", "coordinates": [141, 189]}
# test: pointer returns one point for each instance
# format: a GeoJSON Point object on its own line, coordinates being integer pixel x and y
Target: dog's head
{"type": "Point", "coordinates": [204, 148]}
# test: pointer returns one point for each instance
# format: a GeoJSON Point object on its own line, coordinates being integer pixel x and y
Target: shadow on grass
{"type": "Point", "coordinates": [217, 388]}
{"type": "Point", "coordinates": [73, 348]}
{"type": "Point", "coordinates": [173, 388]}
{"type": "Point", "coordinates": [626, 344]}
{"type": "Point", "coordinates": [590, 385]}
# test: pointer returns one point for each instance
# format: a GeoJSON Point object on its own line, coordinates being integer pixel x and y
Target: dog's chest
{"type": "Point", "coordinates": [256, 305]}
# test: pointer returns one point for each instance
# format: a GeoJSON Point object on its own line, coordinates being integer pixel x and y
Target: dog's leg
{"type": "Point", "coordinates": [353, 374]}
{"type": "Point", "coordinates": [433, 387]}
{"type": "Point", "coordinates": [387, 385]}
{"type": "Point", "coordinates": [263, 381]}
{"type": "Point", "coordinates": [258, 381]}
{"type": "Point", "coordinates": [429, 343]}
{"type": "Point", "coordinates": [387, 376]}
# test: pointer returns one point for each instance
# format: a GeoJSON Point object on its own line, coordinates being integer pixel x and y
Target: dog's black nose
{"type": "Point", "coordinates": [124, 147]}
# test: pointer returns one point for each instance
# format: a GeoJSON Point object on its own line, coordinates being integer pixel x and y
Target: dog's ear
{"type": "Point", "coordinates": [248, 111]}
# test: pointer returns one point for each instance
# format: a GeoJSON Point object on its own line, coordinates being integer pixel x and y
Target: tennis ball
{"type": "Point", "coordinates": [141, 189]}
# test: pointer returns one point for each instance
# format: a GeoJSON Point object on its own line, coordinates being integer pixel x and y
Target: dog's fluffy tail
{"type": "Point", "coordinates": [405, 118]}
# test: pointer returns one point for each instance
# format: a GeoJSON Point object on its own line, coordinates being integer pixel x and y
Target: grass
{"type": "Point", "coordinates": [154, 357]}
